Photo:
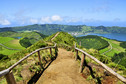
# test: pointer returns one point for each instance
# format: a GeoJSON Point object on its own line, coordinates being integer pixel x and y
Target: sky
{"type": "Point", "coordinates": [68, 12]}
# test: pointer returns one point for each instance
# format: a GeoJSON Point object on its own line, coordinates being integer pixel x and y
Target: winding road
{"type": "Point", "coordinates": [109, 49]}
{"type": "Point", "coordinates": [8, 47]}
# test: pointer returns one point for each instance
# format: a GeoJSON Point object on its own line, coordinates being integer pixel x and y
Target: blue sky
{"type": "Point", "coordinates": [75, 12]}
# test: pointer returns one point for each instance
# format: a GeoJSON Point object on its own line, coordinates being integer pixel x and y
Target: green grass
{"type": "Point", "coordinates": [104, 50]}
{"type": "Point", "coordinates": [10, 43]}
{"type": "Point", "coordinates": [14, 44]}
{"type": "Point", "coordinates": [5, 39]}
{"type": "Point", "coordinates": [7, 51]}
{"type": "Point", "coordinates": [116, 48]}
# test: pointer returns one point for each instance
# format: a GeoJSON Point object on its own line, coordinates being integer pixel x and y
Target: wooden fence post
{"type": "Point", "coordinates": [56, 50]}
{"type": "Point", "coordinates": [51, 51]}
{"type": "Point", "coordinates": [82, 63]}
{"type": "Point", "coordinates": [76, 54]}
{"type": "Point", "coordinates": [10, 78]}
{"type": "Point", "coordinates": [39, 57]}
{"type": "Point", "coordinates": [80, 43]}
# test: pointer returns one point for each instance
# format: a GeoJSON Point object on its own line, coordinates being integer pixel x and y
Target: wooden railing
{"type": "Point", "coordinates": [8, 72]}
{"type": "Point", "coordinates": [96, 60]}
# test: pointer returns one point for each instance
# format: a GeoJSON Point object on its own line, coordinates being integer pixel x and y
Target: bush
{"type": "Point", "coordinates": [3, 57]}
{"type": "Point", "coordinates": [25, 42]}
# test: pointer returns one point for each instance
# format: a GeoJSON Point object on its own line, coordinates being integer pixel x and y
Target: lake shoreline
{"type": "Point", "coordinates": [112, 36]}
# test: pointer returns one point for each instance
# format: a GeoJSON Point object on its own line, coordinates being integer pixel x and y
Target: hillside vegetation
{"type": "Point", "coordinates": [123, 44]}
{"type": "Point", "coordinates": [5, 39]}
{"type": "Point", "coordinates": [91, 41]}
{"type": "Point", "coordinates": [27, 38]}
{"type": "Point", "coordinates": [63, 38]}
{"type": "Point", "coordinates": [31, 64]}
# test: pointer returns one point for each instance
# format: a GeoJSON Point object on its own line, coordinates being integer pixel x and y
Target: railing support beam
{"type": "Point", "coordinates": [10, 78]}
{"type": "Point", "coordinates": [39, 58]}
{"type": "Point", "coordinates": [76, 54]}
{"type": "Point", "coordinates": [82, 63]}
{"type": "Point", "coordinates": [51, 51]}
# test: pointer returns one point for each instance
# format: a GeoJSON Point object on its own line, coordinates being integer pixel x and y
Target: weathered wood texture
{"type": "Point", "coordinates": [39, 57]}
{"type": "Point", "coordinates": [104, 66]}
{"type": "Point", "coordinates": [10, 78]}
{"type": "Point", "coordinates": [76, 54]}
{"type": "Point", "coordinates": [10, 68]}
{"type": "Point", "coordinates": [82, 63]}
{"type": "Point", "coordinates": [50, 51]}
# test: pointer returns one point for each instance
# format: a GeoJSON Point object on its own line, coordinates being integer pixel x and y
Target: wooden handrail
{"type": "Point", "coordinates": [6, 72]}
{"type": "Point", "coordinates": [14, 65]}
{"type": "Point", "coordinates": [103, 65]}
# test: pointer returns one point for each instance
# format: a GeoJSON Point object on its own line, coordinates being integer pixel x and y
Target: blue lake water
{"type": "Point", "coordinates": [119, 37]}
{"type": "Point", "coordinates": [18, 37]}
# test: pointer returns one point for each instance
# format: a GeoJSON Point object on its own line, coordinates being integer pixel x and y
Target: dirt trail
{"type": "Point", "coordinates": [64, 70]}
{"type": "Point", "coordinates": [55, 36]}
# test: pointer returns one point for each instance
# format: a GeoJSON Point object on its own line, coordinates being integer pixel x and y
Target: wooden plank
{"type": "Point", "coordinates": [82, 63]}
{"type": "Point", "coordinates": [10, 78]}
{"type": "Point", "coordinates": [104, 66]}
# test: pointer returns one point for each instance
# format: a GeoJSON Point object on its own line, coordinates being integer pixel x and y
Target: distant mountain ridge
{"type": "Point", "coordinates": [48, 29]}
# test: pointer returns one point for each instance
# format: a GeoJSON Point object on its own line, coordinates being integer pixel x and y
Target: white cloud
{"type": "Point", "coordinates": [45, 20]}
{"type": "Point", "coordinates": [4, 22]}
{"type": "Point", "coordinates": [56, 18]}
{"type": "Point", "coordinates": [33, 21]}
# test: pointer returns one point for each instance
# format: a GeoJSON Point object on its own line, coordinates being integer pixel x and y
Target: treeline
{"type": "Point", "coordinates": [120, 58]}
{"type": "Point", "coordinates": [123, 44]}
{"type": "Point", "coordinates": [92, 41]}
{"type": "Point", "coordinates": [48, 29]}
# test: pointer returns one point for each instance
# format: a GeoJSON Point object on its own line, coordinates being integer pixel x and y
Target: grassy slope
{"type": "Point", "coordinates": [11, 43]}
{"type": "Point", "coordinates": [115, 47]}
{"type": "Point", "coordinates": [5, 39]}
{"type": "Point", "coordinates": [14, 44]}
{"type": "Point", "coordinates": [7, 51]}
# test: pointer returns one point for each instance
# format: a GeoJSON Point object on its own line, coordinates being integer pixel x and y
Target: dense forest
{"type": "Point", "coordinates": [48, 29]}
{"type": "Point", "coordinates": [123, 44]}
{"type": "Point", "coordinates": [92, 41]}
{"type": "Point", "coordinates": [120, 58]}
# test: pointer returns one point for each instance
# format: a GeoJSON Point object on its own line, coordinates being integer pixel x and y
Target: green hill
{"type": "Point", "coordinates": [48, 29]}
{"type": "Point", "coordinates": [63, 38]}
{"type": "Point", "coordinates": [11, 43]}
{"type": "Point", "coordinates": [91, 41]}
{"type": "Point", "coordinates": [32, 37]}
